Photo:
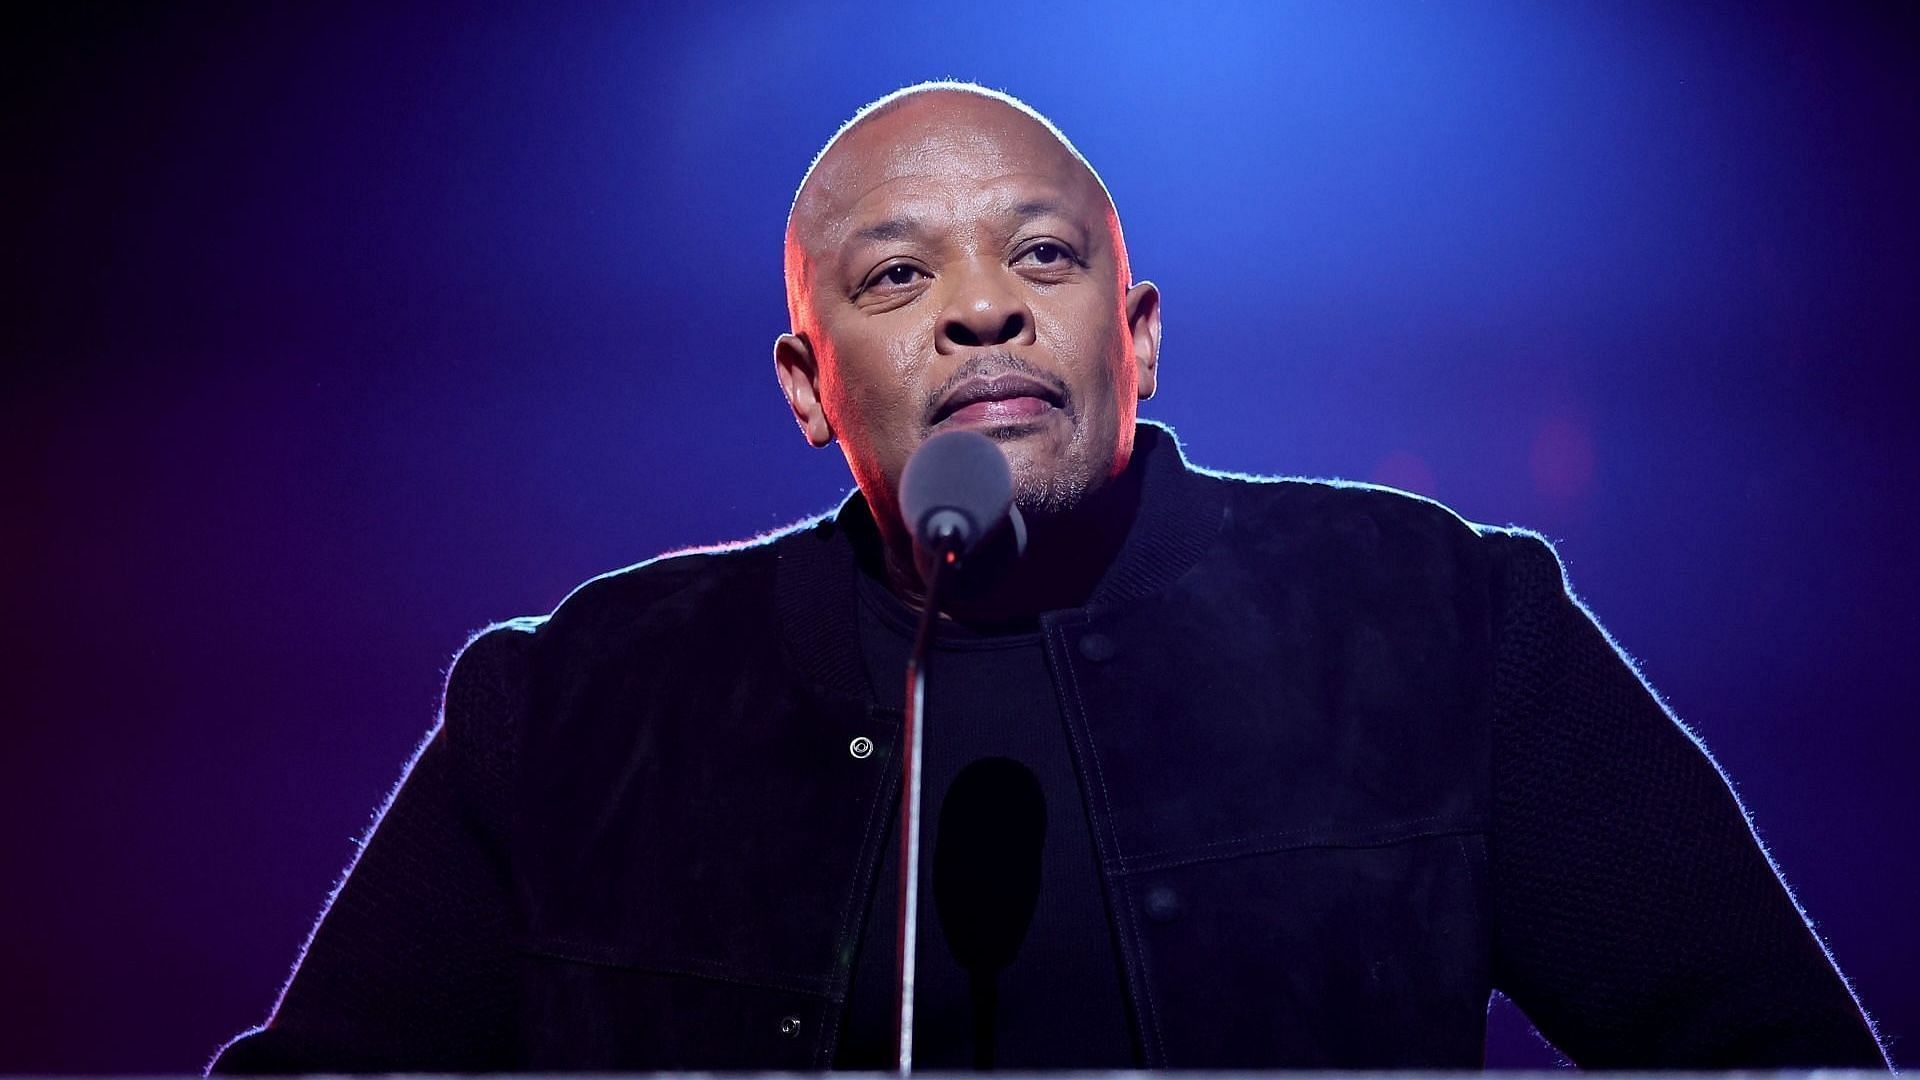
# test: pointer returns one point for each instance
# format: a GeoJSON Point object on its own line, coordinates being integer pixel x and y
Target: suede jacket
{"type": "Point", "coordinates": [647, 829]}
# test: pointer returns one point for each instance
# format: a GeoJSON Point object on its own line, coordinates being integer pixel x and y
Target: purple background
{"type": "Point", "coordinates": [337, 335]}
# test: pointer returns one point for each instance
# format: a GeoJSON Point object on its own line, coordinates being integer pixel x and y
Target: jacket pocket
{"type": "Point", "coordinates": [589, 1007]}
{"type": "Point", "coordinates": [1322, 955]}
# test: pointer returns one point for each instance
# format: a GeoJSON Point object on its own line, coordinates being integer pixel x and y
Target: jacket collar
{"type": "Point", "coordinates": [1181, 512]}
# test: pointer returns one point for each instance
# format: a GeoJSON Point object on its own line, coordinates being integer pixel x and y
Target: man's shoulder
{"type": "Point", "coordinates": [1332, 507]}
{"type": "Point", "coordinates": [669, 577]}
{"type": "Point", "coordinates": [1295, 514]}
{"type": "Point", "coordinates": [677, 591]}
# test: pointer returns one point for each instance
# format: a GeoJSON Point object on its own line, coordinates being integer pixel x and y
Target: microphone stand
{"type": "Point", "coordinates": [946, 555]}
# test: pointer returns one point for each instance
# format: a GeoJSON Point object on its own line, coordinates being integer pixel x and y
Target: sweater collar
{"type": "Point", "coordinates": [1181, 511]}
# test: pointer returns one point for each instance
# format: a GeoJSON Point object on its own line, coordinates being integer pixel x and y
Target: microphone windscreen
{"type": "Point", "coordinates": [958, 480]}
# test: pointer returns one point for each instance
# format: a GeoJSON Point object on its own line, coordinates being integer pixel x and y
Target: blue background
{"type": "Point", "coordinates": [337, 334]}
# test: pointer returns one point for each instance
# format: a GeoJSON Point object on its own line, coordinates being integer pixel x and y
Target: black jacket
{"type": "Point", "coordinates": [1351, 763]}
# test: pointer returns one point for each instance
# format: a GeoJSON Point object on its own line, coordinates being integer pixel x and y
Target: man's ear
{"type": "Point", "coordinates": [799, 374]}
{"type": "Point", "coordinates": [1143, 319]}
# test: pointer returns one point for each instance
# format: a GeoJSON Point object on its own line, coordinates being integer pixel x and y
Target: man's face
{"type": "Point", "coordinates": [955, 266]}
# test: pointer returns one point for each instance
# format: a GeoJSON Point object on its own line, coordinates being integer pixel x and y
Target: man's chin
{"type": "Point", "coordinates": [1049, 479]}
{"type": "Point", "coordinates": [1052, 490]}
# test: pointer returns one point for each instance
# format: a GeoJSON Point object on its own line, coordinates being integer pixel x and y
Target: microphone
{"type": "Point", "coordinates": [986, 879]}
{"type": "Point", "coordinates": [956, 491]}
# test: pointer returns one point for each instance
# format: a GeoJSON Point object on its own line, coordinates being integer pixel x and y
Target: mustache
{"type": "Point", "coordinates": [990, 365]}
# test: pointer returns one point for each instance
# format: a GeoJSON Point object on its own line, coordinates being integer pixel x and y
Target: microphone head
{"type": "Point", "coordinates": [956, 489]}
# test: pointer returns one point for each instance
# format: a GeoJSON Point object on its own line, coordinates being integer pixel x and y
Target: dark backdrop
{"type": "Point", "coordinates": [336, 334]}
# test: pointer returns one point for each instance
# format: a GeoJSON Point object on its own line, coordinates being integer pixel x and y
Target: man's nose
{"type": "Point", "coordinates": [985, 311]}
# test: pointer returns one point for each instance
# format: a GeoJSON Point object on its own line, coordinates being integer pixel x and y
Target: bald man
{"type": "Point", "coordinates": [953, 262]}
{"type": "Point", "coordinates": [1221, 773]}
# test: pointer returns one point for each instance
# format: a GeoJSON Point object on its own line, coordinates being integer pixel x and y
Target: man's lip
{"type": "Point", "coordinates": [1005, 388]}
{"type": "Point", "coordinates": [999, 411]}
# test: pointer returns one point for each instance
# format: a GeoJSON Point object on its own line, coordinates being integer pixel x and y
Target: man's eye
{"type": "Point", "coordinates": [897, 274]}
{"type": "Point", "coordinates": [1047, 254]}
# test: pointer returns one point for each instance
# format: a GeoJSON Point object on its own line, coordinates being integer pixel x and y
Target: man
{"type": "Point", "coordinates": [1221, 773]}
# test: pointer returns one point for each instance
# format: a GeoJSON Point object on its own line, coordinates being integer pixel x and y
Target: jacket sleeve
{"type": "Point", "coordinates": [410, 966]}
{"type": "Point", "coordinates": [1638, 920]}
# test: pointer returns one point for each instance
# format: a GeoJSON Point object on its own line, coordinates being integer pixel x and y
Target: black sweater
{"type": "Point", "coordinates": [1006, 835]}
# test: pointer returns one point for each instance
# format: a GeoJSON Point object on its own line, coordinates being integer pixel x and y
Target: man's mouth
{"type": "Point", "coordinates": [1006, 399]}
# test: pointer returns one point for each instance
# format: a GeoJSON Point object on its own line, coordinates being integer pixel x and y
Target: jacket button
{"type": "Point", "coordinates": [790, 1026]}
{"type": "Point", "coordinates": [1163, 904]}
{"type": "Point", "coordinates": [1096, 647]}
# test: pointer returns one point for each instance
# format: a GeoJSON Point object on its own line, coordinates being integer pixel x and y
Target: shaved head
{"type": "Point", "coordinates": [811, 204]}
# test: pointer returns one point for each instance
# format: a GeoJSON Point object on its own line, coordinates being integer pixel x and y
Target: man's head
{"type": "Point", "coordinates": [953, 261]}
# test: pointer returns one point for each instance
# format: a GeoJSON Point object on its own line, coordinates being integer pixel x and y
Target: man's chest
{"type": "Point", "coordinates": [1285, 813]}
